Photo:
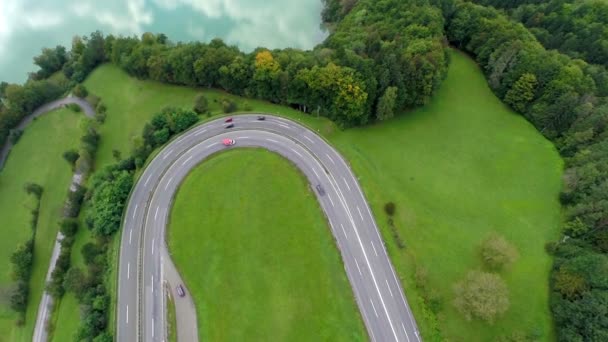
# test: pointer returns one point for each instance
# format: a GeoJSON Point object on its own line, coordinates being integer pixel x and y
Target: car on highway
{"type": "Point", "coordinates": [261, 118]}
{"type": "Point", "coordinates": [228, 142]}
{"type": "Point", "coordinates": [228, 120]}
{"type": "Point", "coordinates": [229, 126]}
{"type": "Point", "coordinates": [180, 290]}
{"type": "Point", "coordinates": [320, 190]}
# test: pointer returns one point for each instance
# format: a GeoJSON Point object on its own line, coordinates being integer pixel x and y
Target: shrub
{"type": "Point", "coordinates": [389, 208]}
{"type": "Point", "coordinates": [228, 106]}
{"type": "Point", "coordinates": [80, 91]}
{"type": "Point", "coordinates": [481, 295]}
{"type": "Point", "coordinates": [497, 253]}
{"type": "Point", "coordinates": [74, 107]}
{"type": "Point", "coordinates": [201, 104]}
{"type": "Point", "coordinates": [71, 156]}
{"type": "Point", "coordinates": [34, 189]}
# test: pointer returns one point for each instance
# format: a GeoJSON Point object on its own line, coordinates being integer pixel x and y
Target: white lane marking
{"type": "Point", "coordinates": [307, 138]}
{"type": "Point", "coordinates": [296, 152]}
{"type": "Point", "coordinates": [152, 246]}
{"type": "Point", "coordinates": [345, 182]}
{"type": "Point", "coordinates": [147, 180]}
{"type": "Point", "coordinates": [200, 132]}
{"type": "Point", "coordinates": [244, 138]}
{"type": "Point", "coordinates": [284, 125]}
{"type": "Point", "coordinates": [170, 179]}
{"type": "Point", "coordinates": [316, 174]}
{"type": "Point", "coordinates": [405, 331]}
{"type": "Point", "coordinates": [372, 242]}
{"type": "Point", "coordinates": [135, 211]}
{"type": "Point", "coordinates": [343, 201]}
{"type": "Point", "coordinates": [128, 270]}
{"type": "Point", "coordinates": [389, 288]}
{"type": "Point", "coordinates": [332, 161]}
{"type": "Point", "coordinates": [359, 210]}
{"type": "Point", "coordinates": [130, 235]}
{"type": "Point", "coordinates": [156, 214]}
{"type": "Point", "coordinates": [152, 282]}
{"type": "Point", "coordinates": [127, 314]}
{"type": "Point", "coordinates": [361, 274]}
{"type": "Point", "coordinates": [168, 154]}
{"type": "Point", "coordinates": [344, 230]}
{"type": "Point", "coordinates": [332, 202]}
{"type": "Point", "coordinates": [211, 145]}
{"type": "Point", "coordinates": [271, 140]}
{"type": "Point", "coordinates": [376, 312]}
{"type": "Point", "coordinates": [152, 326]}
{"type": "Point", "coordinates": [187, 160]}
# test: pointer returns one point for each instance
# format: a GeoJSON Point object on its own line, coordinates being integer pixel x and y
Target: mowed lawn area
{"type": "Point", "coordinates": [458, 169]}
{"type": "Point", "coordinates": [255, 250]}
{"type": "Point", "coordinates": [37, 157]}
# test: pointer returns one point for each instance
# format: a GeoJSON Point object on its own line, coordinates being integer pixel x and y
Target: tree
{"type": "Point", "coordinates": [201, 105]}
{"type": "Point", "coordinates": [71, 156]}
{"type": "Point", "coordinates": [75, 282]}
{"type": "Point", "coordinates": [34, 189]}
{"type": "Point", "coordinates": [570, 284]}
{"type": "Point", "coordinates": [481, 295]}
{"type": "Point", "coordinates": [51, 60]}
{"type": "Point", "coordinates": [522, 92]}
{"type": "Point", "coordinates": [80, 91]}
{"type": "Point", "coordinates": [228, 106]}
{"type": "Point", "coordinates": [386, 104]}
{"type": "Point", "coordinates": [497, 253]}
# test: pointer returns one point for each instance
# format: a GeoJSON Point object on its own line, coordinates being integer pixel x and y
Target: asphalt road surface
{"type": "Point", "coordinates": [141, 304]}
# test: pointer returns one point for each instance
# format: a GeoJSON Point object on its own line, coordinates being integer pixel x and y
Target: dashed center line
{"type": "Point", "coordinates": [152, 283]}
{"type": "Point", "coordinates": [211, 145]}
{"type": "Point", "coordinates": [345, 182]}
{"type": "Point", "coordinates": [389, 287]}
{"type": "Point", "coordinates": [127, 314]}
{"type": "Point", "coordinates": [332, 161]}
{"type": "Point", "coordinates": [283, 125]}
{"type": "Point", "coordinates": [187, 160]}
{"type": "Point", "coordinates": [296, 152]}
{"type": "Point", "coordinates": [343, 230]}
{"type": "Point", "coordinates": [361, 274]}
{"type": "Point", "coordinates": [152, 246]}
{"type": "Point", "coordinates": [169, 182]}
{"type": "Point", "coordinates": [200, 132]}
{"type": "Point", "coordinates": [307, 138]}
{"type": "Point", "coordinates": [130, 235]}
{"type": "Point", "coordinates": [271, 140]}
{"type": "Point", "coordinates": [147, 180]}
{"type": "Point", "coordinates": [156, 214]}
{"type": "Point", "coordinates": [128, 270]}
{"type": "Point", "coordinates": [316, 174]}
{"type": "Point", "coordinates": [405, 331]}
{"type": "Point", "coordinates": [168, 154]}
{"type": "Point", "coordinates": [361, 215]}
{"type": "Point", "coordinates": [374, 248]}
{"type": "Point", "coordinates": [135, 211]}
{"type": "Point", "coordinates": [332, 202]}
{"type": "Point", "coordinates": [376, 312]}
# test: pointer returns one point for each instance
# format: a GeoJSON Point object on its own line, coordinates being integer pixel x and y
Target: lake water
{"type": "Point", "coordinates": [28, 25]}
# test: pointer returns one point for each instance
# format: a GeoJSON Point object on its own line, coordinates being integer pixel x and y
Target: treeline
{"type": "Point", "coordinates": [383, 57]}
{"type": "Point", "coordinates": [561, 97]}
{"type": "Point", "coordinates": [578, 28]}
{"type": "Point", "coordinates": [22, 259]}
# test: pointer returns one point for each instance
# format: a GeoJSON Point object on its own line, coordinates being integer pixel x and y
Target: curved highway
{"type": "Point", "coordinates": [142, 275]}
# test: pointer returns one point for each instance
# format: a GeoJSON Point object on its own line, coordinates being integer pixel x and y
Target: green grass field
{"type": "Point", "coordinates": [37, 157]}
{"type": "Point", "coordinates": [459, 168]}
{"type": "Point", "coordinates": [257, 254]}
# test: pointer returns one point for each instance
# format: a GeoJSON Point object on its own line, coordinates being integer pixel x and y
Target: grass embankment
{"type": "Point", "coordinates": [37, 157]}
{"type": "Point", "coordinates": [256, 252]}
{"type": "Point", "coordinates": [459, 168]}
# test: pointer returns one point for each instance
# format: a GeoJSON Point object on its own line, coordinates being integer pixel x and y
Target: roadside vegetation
{"type": "Point", "coordinates": [37, 158]}
{"type": "Point", "coordinates": [228, 240]}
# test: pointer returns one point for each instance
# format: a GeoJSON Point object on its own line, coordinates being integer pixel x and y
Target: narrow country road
{"type": "Point", "coordinates": [83, 104]}
{"type": "Point", "coordinates": [141, 307]}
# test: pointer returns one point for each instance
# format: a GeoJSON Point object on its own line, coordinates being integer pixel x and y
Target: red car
{"type": "Point", "coordinates": [228, 120]}
{"type": "Point", "coordinates": [228, 142]}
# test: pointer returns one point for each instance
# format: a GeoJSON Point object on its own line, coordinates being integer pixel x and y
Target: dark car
{"type": "Point", "coordinates": [229, 126]}
{"type": "Point", "coordinates": [180, 290]}
{"type": "Point", "coordinates": [228, 120]}
{"type": "Point", "coordinates": [261, 118]}
{"type": "Point", "coordinates": [320, 190]}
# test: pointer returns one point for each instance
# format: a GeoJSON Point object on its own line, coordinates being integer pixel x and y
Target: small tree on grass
{"type": "Point", "coordinates": [71, 156]}
{"type": "Point", "coordinates": [201, 104]}
{"type": "Point", "coordinates": [228, 106]}
{"type": "Point", "coordinates": [389, 208]}
{"type": "Point", "coordinates": [497, 253]}
{"type": "Point", "coordinates": [481, 295]}
{"type": "Point", "coordinates": [34, 189]}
